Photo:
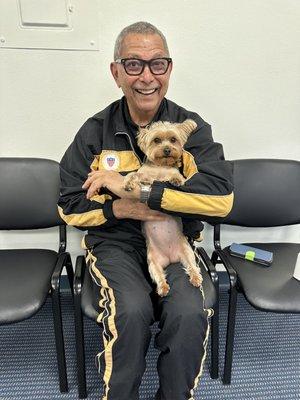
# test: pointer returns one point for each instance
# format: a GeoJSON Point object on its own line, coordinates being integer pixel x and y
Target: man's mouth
{"type": "Point", "coordinates": [146, 92]}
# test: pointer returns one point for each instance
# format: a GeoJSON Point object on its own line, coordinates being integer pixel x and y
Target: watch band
{"type": "Point", "coordinates": [145, 192]}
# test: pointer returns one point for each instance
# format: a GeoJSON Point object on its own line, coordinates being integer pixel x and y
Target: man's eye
{"type": "Point", "coordinates": [158, 63]}
{"type": "Point", "coordinates": [132, 64]}
{"type": "Point", "coordinates": [173, 140]}
{"type": "Point", "coordinates": [157, 140]}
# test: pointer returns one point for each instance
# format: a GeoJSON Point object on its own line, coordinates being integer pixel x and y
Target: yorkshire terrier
{"type": "Point", "coordinates": [162, 143]}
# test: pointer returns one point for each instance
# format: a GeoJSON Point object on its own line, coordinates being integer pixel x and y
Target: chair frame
{"type": "Point", "coordinates": [79, 330]}
{"type": "Point", "coordinates": [219, 256]}
{"type": "Point", "coordinates": [79, 321]}
{"type": "Point", "coordinates": [63, 261]}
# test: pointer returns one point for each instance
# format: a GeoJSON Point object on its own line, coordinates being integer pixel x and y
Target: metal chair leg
{"type": "Point", "coordinates": [214, 258]}
{"type": "Point", "coordinates": [80, 353]}
{"type": "Point", "coordinates": [70, 274]}
{"type": "Point", "coordinates": [230, 335]}
{"type": "Point", "coordinates": [218, 253]}
{"type": "Point", "coordinates": [59, 340]}
{"type": "Point", "coordinates": [214, 371]}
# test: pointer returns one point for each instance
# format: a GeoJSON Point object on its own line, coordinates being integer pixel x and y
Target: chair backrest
{"type": "Point", "coordinates": [29, 190]}
{"type": "Point", "coordinates": [266, 193]}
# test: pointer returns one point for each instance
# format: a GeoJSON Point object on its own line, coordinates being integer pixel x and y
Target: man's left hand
{"type": "Point", "coordinates": [111, 180]}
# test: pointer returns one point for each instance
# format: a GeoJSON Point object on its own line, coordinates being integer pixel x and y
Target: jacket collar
{"type": "Point", "coordinates": [124, 122]}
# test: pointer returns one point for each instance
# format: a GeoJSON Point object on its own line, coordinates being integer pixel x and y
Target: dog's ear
{"type": "Point", "coordinates": [141, 138]}
{"type": "Point", "coordinates": [186, 128]}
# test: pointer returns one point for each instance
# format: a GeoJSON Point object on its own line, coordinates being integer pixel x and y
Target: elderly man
{"type": "Point", "coordinates": [92, 198]}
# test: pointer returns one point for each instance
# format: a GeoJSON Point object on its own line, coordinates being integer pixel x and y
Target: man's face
{"type": "Point", "coordinates": [144, 92]}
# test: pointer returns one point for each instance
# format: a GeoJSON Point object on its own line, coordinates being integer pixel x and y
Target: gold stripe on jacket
{"type": "Point", "coordinates": [192, 203]}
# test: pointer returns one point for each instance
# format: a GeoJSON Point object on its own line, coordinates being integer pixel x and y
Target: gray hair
{"type": "Point", "coordinates": [141, 27]}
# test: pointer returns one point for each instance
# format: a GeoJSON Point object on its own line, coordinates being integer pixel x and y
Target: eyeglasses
{"type": "Point", "coordinates": [136, 66]}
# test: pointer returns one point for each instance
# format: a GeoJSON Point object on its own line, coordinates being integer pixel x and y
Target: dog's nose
{"type": "Point", "coordinates": [167, 151]}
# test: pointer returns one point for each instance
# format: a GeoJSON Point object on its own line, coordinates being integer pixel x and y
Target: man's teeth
{"type": "Point", "coordinates": [146, 91]}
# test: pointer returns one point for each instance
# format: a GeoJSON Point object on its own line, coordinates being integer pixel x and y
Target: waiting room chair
{"type": "Point", "coordinates": [83, 300]}
{"type": "Point", "coordinates": [267, 194]}
{"type": "Point", "coordinates": [28, 200]}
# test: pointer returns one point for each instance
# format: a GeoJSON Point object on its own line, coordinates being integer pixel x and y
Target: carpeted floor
{"type": "Point", "coordinates": [266, 359]}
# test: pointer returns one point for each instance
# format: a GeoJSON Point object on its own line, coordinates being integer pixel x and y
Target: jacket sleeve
{"type": "Point", "coordinates": [207, 194]}
{"type": "Point", "coordinates": [73, 206]}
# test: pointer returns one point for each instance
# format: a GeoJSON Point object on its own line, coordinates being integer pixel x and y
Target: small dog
{"type": "Point", "coordinates": [162, 143]}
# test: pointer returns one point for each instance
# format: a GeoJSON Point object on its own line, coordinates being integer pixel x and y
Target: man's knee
{"type": "Point", "coordinates": [186, 312]}
{"type": "Point", "coordinates": [135, 308]}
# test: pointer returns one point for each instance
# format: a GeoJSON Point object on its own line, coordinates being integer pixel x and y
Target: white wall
{"type": "Point", "coordinates": [236, 63]}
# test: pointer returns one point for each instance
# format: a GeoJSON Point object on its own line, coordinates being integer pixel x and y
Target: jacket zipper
{"type": "Point", "coordinates": [131, 145]}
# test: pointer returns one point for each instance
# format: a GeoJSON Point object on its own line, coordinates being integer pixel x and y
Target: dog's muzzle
{"type": "Point", "coordinates": [167, 151]}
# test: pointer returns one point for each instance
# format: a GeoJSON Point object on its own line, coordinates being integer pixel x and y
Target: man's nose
{"type": "Point", "coordinates": [146, 75]}
{"type": "Point", "coordinates": [167, 151]}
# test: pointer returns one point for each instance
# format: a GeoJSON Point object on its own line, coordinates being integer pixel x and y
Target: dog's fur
{"type": "Point", "coordinates": [162, 143]}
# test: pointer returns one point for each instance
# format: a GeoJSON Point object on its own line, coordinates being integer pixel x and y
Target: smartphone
{"type": "Point", "coordinates": [251, 254]}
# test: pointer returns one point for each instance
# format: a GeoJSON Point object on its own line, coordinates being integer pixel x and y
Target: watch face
{"type": "Point", "coordinates": [146, 186]}
{"type": "Point", "coordinates": [145, 192]}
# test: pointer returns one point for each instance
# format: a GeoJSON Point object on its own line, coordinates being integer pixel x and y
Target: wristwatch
{"type": "Point", "coordinates": [145, 192]}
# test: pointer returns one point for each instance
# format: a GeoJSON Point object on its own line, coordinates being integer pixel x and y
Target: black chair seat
{"type": "Point", "coordinates": [283, 294]}
{"type": "Point", "coordinates": [89, 310]}
{"type": "Point", "coordinates": [28, 200]}
{"type": "Point", "coordinates": [25, 282]}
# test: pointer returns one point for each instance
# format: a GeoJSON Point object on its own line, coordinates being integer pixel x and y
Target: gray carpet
{"type": "Point", "coordinates": [266, 359]}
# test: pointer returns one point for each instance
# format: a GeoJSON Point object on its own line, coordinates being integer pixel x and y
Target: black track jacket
{"type": "Point", "coordinates": [107, 141]}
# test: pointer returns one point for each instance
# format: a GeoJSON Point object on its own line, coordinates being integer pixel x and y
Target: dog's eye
{"type": "Point", "coordinates": [157, 140]}
{"type": "Point", "coordinates": [173, 140]}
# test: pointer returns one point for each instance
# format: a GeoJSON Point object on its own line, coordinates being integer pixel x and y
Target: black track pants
{"type": "Point", "coordinates": [125, 301]}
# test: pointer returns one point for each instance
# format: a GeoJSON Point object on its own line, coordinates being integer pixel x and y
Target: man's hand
{"type": "Point", "coordinates": [127, 208]}
{"type": "Point", "coordinates": [111, 180]}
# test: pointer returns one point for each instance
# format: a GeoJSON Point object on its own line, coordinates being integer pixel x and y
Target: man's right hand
{"type": "Point", "coordinates": [133, 209]}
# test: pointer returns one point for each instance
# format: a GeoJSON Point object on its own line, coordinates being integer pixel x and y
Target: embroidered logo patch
{"type": "Point", "coordinates": [111, 162]}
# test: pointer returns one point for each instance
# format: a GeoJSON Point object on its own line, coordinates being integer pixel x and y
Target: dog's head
{"type": "Point", "coordinates": [163, 142]}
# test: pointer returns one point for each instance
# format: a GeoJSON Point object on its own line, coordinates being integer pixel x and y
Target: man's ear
{"type": "Point", "coordinates": [115, 73]}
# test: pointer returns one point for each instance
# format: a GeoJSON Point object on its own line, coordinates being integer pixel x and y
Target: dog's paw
{"type": "Point", "coordinates": [163, 289]}
{"type": "Point", "coordinates": [196, 280]}
{"type": "Point", "coordinates": [177, 181]}
{"type": "Point", "coordinates": [129, 186]}
{"type": "Point", "coordinates": [129, 183]}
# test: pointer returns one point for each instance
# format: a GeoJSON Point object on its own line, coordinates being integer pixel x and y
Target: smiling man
{"type": "Point", "coordinates": [144, 85]}
{"type": "Point", "coordinates": [92, 198]}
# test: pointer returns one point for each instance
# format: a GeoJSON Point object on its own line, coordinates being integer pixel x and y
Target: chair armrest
{"type": "Point", "coordinates": [79, 274]}
{"type": "Point", "coordinates": [227, 264]}
{"type": "Point", "coordinates": [62, 260]}
{"type": "Point", "coordinates": [208, 264]}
